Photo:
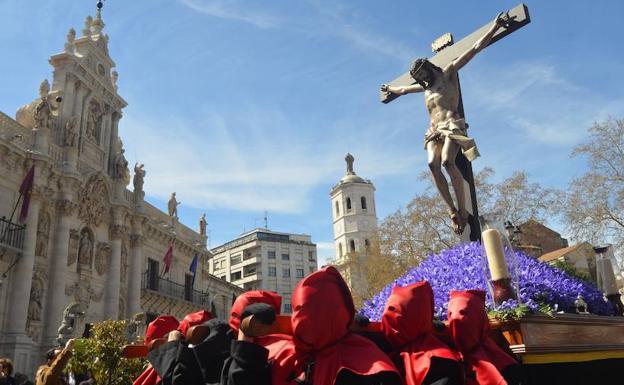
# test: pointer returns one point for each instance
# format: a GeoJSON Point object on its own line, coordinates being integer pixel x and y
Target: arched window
{"type": "Point", "coordinates": [348, 204]}
{"type": "Point", "coordinates": [352, 245]}
{"type": "Point", "coordinates": [363, 202]}
{"type": "Point", "coordinates": [340, 249]}
{"type": "Point", "coordinates": [337, 208]}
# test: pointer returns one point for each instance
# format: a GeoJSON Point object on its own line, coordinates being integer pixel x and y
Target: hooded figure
{"type": "Point", "coordinates": [158, 328]}
{"type": "Point", "coordinates": [322, 350]}
{"type": "Point", "coordinates": [248, 361]}
{"type": "Point", "coordinates": [407, 324]}
{"type": "Point", "coordinates": [174, 361]}
{"type": "Point", "coordinates": [485, 362]}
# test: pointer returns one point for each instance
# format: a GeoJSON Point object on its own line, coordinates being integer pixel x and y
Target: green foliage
{"type": "Point", "coordinates": [101, 354]}
{"type": "Point", "coordinates": [516, 313]}
{"type": "Point", "coordinates": [571, 270]}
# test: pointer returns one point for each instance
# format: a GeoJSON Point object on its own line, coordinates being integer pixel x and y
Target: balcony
{"type": "Point", "coordinates": [11, 234]}
{"type": "Point", "coordinates": [175, 290]}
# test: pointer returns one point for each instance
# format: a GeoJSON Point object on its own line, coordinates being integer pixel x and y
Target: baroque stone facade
{"type": "Point", "coordinates": [87, 238]}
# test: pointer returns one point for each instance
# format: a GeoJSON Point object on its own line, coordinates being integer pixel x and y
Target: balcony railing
{"type": "Point", "coordinates": [11, 234]}
{"type": "Point", "coordinates": [175, 290]}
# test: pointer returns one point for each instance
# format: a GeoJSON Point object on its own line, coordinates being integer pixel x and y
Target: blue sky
{"type": "Point", "coordinates": [242, 106]}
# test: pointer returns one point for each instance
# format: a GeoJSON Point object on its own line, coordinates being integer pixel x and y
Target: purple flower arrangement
{"type": "Point", "coordinates": [542, 287]}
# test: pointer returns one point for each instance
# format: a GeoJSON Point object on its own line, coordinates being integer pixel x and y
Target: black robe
{"type": "Point", "coordinates": [178, 364]}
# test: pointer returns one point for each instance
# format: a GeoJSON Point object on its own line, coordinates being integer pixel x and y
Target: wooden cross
{"type": "Point", "coordinates": [446, 52]}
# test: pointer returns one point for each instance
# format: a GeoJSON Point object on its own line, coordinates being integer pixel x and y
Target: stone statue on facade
{"type": "Point", "coordinates": [202, 225]}
{"type": "Point", "coordinates": [92, 121]}
{"type": "Point", "coordinates": [71, 317]}
{"type": "Point", "coordinates": [121, 166]}
{"type": "Point", "coordinates": [44, 108]}
{"type": "Point", "coordinates": [114, 78]}
{"type": "Point", "coordinates": [134, 327]}
{"type": "Point", "coordinates": [85, 249]}
{"type": "Point", "coordinates": [139, 177]}
{"type": "Point", "coordinates": [70, 132]}
{"type": "Point", "coordinates": [34, 306]}
{"type": "Point", "coordinates": [172, 205]}
{"type": "Point", "coordinates": [71, 37]}
{"type": "Point", "coordinates": [86, 31]}
{"type": "Point", "coordinates": [447, 131]}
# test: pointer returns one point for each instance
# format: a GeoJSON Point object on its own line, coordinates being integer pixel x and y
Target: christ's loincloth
{"type": "Point", "coordinates": [456, 131]}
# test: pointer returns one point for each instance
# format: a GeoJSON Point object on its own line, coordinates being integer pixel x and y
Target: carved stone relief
{"type": "Point", "coordinates": [93, 201]}
{"type": "Point", "coordinates": [102, 257]}
{"type": "Point", "coordinates": [82, 292]}
{"type": "Point", "coordinates": [124, 262]}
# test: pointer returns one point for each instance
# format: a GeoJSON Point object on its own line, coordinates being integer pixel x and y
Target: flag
{"type": "Point", "coordinates": [167, 259]}
{"type": "Point", "coordinates": [25, 190]}
{"type": "Point", "coordinates": [193, 269]}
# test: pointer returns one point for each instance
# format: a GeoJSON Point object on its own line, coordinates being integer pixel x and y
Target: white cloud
{"type": "Point", "coordinates": [248, 162]}
{"type": "Point", "coordinates": [235, 10]}
{"type": "Point", "coordinates": [325, 251]}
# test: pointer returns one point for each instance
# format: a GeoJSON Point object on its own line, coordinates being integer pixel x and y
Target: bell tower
{"type": "Point", "coordinates": [85, 77]}
{"type": "Point", "coordinates": [354, 218]}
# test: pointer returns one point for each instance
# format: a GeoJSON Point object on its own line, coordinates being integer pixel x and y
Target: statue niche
{"type": "Point", "coordinates": [85, 248]}
{"type": "Point", "coordinates": [94, 122]}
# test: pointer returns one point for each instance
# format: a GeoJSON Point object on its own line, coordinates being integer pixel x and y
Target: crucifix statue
{"type": "Point", "coordinates": [447, 133]}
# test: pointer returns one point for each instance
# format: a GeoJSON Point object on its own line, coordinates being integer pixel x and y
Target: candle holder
{"type": "Point", "coordinates": [500, 267]}
{"type": "Point", "coordinates": [606, 277]}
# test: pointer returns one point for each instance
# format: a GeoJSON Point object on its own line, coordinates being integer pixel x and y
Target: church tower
{"type": "Point", "coordinates": [354, 219]}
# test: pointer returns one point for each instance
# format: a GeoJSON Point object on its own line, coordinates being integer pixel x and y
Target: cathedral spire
{"type": "Point", "coordinates": [98, 24]}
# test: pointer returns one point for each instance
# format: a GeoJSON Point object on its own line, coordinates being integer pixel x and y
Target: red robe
{"type": "Point", "coordinates": [193, 319]}
{"type": "Point", "coordinates": [322, 345]}
{"type": "Point", "coordinates": [251, 297]}
{"type": "Point", "coordinates": [407, 325]}
{"type": "Point", "coordinates": [469, 329]}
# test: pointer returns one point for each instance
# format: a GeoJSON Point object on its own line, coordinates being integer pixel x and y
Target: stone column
{"type": "Point", "coordinates": [56, 299]}
{"type": "Point", "coordinates": [16, 344]}
{"type": "Point", "coordinates": [111, 304]}
{"type": "Point", "coordinates": [134, 275]}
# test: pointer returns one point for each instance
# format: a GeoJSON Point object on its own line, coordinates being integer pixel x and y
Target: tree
{"type": "Point", "coordinates": [101, 355]}
{"type": "Point", "coordinates": [593, 205]}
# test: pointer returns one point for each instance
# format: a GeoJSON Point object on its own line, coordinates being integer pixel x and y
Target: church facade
{"type": "Point", "coordinates": [88, 240]}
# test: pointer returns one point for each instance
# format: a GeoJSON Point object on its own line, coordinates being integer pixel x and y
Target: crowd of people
{"type": "Point", "coordinates": [321, 349]}
{"type": "Point", "coordinates": [7, 377]}
{"type": "Point", "coordinates": [319, 346]}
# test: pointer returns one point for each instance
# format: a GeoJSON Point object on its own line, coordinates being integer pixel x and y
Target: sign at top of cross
{"type": "Point", "coordinates": [517, 18]}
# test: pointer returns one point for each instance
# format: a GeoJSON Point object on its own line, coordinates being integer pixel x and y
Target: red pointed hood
{"type": "Point", "coordinates": [408, 313]}
{"type": "Point", "coordinates": [468, 321]}
{"type": "Point", "coordinates": [159, 327]}
{"type": "Point", "coordinates": [469, 328]}
{"type": "Point", "coordinates": [322, 345]}
{"type": "Point", "coordinates": [194, 319]}
{"type": "Point", "coordinates": [322, 309]}
{"type": "Point", "coordinates": [251, 297]}
{"type": "Point", "coordinates": [407, 323]}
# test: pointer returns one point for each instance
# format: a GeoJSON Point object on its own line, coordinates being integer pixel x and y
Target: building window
{"type": "Point", "coordinates": [366, 244]}
{"type": "Point", "coordinates": [337, 208]}
{"type": "Point", "coordinates": [188, 287]}
{"type": "Point", "coordinates": [311, 256]}
{"type": "Point", "coordinates": [340, 249]}
{"type": "Point", "coordinates": [285, 257]}
{"type": "Point", "coordinates": [236, 259]}
{"type": "Point", "coordinates": [272, 271]}
{"type": "Point", "coordinates": [287, 308]}
{"type": "Point", "coordinates": [363, 202]}
{"type": "Point", "coordinates": [348, 204]}
{"type": "Point", "coordinates": [286, 273]}
{"type": "Point", "coordinates": [311, 268]}
{"type": "Point", "coordinates": [271, 254]}
{"type": "Point", "coordinates": [236, 276]}
{"type": "Point", "coordinates": [299, 273]}
{"type": "Point", "coordinates": [352, 246]}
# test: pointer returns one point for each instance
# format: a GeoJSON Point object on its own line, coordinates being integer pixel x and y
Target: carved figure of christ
{"type": "Point", "coordinates": [447, 132]}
